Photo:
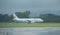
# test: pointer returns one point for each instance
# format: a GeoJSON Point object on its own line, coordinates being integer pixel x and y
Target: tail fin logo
{"type": "Point", "coordinates": [14, 16]}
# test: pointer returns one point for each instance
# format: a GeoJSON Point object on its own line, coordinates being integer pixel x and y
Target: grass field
{"type": "Point", "coordinates": [3, 25]}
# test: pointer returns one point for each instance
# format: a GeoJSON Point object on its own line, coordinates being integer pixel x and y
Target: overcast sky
{"type": "Point", "coordinates": [35, 6]}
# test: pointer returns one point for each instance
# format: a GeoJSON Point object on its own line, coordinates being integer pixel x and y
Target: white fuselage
{"type": "Point", "coordinates": [31, 20]}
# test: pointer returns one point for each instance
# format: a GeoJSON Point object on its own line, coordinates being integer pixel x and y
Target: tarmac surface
{"type": "Point", "coordinates": [30, 31]}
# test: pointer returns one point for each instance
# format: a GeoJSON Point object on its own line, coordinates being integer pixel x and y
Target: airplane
{"type": "Point", "coordinates": [28, 20]}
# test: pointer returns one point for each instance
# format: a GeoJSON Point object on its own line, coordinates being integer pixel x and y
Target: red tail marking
{"type": "Point", "coordinates": [14, 17]}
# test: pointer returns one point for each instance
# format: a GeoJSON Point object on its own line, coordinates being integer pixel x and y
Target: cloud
{"type": "Point", "coordinates": [35, 6]}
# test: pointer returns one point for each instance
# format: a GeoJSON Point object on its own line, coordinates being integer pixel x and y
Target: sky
{"type": "Point", "coordinates": [35, 6]}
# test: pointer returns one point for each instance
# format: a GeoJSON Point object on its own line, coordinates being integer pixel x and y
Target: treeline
{"type": "Point", "coordinates": [6, 18]}
{"type": "Point", "coordinates": [50, 18]}
{"type": "Point", "coordinates": [24, 14]}
{"type": "Point", "coordinates": [45, 17]}
{"type": "Point", "coordinates": [9, 18]}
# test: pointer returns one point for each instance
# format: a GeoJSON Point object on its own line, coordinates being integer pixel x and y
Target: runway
{"type": "Point", "coordinates": [30, 31]}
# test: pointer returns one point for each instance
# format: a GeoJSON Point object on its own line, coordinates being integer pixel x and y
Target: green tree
{"type": "Point", "coordinates": [50, 18]}
{"type": "Point", "coordinates": [1, 18]}
{"type": "Point", "coordinates": [23, 14]}
{"type": "Point", "coordinates": [5, 18]}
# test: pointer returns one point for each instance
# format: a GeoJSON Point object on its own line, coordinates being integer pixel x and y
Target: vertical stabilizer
{"type": "Point", "coordinates": [14, 16]}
